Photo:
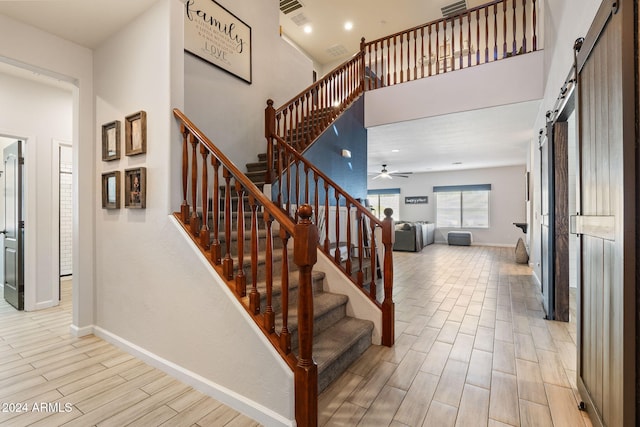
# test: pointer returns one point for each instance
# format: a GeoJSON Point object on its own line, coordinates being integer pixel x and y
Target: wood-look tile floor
{"type": "Point", "coordinates": [472, 349]}
{"type": "Point", "coordinates": [49, 378]}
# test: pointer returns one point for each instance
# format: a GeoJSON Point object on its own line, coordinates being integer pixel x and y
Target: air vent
{"type": "Point", "coordinates": [300, 19]}
{"type": "Point", "coordinates": [454, 8]}
{"type": "Point", "coordinates": [337, 50]}
{"type": "Point", "coordinates": [288, 6]}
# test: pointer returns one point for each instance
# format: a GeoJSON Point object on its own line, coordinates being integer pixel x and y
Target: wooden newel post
{"type": "Point", "coordinates": [306, 372]}
{"type": "Point", "coordinates": [388, 307]}
{"type": "Point", "coordinates": [269, 131]}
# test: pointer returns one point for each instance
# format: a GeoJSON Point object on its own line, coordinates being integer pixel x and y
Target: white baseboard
{"type": "Point", "coordinates": [46, 304]}
{"type": "Point", "coordinates": [495, 245]}
{"type": "Point", "coordinates": [80, 332]}
{"type": "Point", "coordinates": [230, 398]}
{"type": "Point", "coordinates": [535, 276]}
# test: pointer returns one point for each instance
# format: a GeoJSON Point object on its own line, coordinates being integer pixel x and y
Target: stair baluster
{"type": "Point", "coordinates": [360, 275]}
{"type": "Point", "coordinates": [184, 208]}
{"type": "Point", "coordinates": [285, 335]}
{"type": "Point", "coordinates": [254, 296]}
{"type": "Point", "coordinates": [373, 255]}
{"type": "Point", "coordinates": [241, 279]}
{"type": "Point", "coordinates": [337, 255]}
{"type": "Point", "coordinates": [269, 314]}
{"type": "Point", "coordinates": [215, 204]}
{"type": "Point", "coordinates": [227, 263]}
{"type": "Point", "coordinates": [204, 229]}
{"type": "Point", "coordinates": [195, 229]}
{"type": "Point", "coordinates": [348, 230]}
{"type": "Point", "coordinates": [326, 217]}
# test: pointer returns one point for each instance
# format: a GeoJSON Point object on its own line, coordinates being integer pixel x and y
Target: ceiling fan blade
{"type": "Point", "coordinates": [400, 176]}
{"type": "Point", "coordinates": [376, 177]}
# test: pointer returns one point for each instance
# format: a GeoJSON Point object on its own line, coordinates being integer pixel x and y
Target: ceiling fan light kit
{"type": "Point", "coordinates": [385, 174]}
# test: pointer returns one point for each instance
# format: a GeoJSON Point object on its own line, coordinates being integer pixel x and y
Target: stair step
{"type": "Point", "coordinates": [328, 309]}
{"type": "Point", "coordinates": [256, 175]}
{"type": "Point", "coordinates": [335, 349]}
{"type": "Point", "coordinates": [317, 280]}
{"type": "Point", "coordinates": [257, 166]}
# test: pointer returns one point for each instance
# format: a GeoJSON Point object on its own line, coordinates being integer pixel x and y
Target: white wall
{"type": "Point", "coordinates": [153, 293]}
{"type": "Point", "coordinates": [504, 82]}
{"type": "Point", "coordinates": [231, 111]}
{"type": "Point", "coordinates": [39, 114]}
{"type": "Point", "coordinates": [507, 204]}
{"type": "Point", "coordinates": [564, 22]}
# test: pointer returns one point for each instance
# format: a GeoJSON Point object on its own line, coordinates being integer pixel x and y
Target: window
{"type": "Point", "coordinates": [381, 199]}
{"type": "Point", "coordinates": [460, 206]}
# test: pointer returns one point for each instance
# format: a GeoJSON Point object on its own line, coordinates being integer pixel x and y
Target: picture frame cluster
{"type": "Point", "coordinates": [135, 179]}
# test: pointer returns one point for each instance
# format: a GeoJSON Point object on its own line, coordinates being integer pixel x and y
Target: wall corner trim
{"type": "Point", "coordinates": [83, 331]}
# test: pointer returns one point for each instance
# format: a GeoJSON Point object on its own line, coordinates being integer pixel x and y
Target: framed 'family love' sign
{"type": "Point", "coordinates": [219, 37]}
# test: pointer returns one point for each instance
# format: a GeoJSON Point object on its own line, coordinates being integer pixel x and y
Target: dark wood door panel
{"type": "Point", "coordinates": [607, 360]}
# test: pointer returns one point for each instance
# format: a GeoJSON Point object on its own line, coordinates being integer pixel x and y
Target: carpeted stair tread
{"type": "Point", "coordinates": [323, 304]}
{"type": "Point", "coordinates": [261, 285]}
{"type": "Point", "coordinates": [339, 346]}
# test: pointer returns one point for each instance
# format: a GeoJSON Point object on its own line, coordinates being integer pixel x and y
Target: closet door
{"type": "Point", "coordinates": [607, 205]}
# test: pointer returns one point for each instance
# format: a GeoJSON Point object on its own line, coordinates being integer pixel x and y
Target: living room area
{"type": "Point", "coordinates": [420, 224]}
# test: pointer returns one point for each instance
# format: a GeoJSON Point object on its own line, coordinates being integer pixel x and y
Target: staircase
{"type": "Point", "coordinates": [266, 253]}
{"type": "Point", "coordinates": [338, 339]}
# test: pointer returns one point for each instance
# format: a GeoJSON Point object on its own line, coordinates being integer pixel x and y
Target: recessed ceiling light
{"type": "Point", "coordinates": [395, 151]}
{"type": "Point", "coordinates": [348, 25]}
{"type": "Point", "coordinates": [456, 163]}
{"type": "Point", "coordinates": [307, 29]}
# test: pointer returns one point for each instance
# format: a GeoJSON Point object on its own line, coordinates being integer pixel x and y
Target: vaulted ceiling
{"type": "Point", "coordinates": [483, 138]}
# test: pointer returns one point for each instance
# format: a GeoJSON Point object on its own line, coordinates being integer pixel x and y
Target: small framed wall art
{"type": "Point", "coordinates": [111, 141]}
{"type": "Point", "coordinates": [111, 190]}
{"type": "Point", "coordinates": [135, 130]}
{"type": "Point", "coordinates": [135, 188]}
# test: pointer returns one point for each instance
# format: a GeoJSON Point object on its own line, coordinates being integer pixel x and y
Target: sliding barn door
{"type": "Point", "coordinates": [607, 308]}
{"type": "Point", "coordinates": [554, 225]}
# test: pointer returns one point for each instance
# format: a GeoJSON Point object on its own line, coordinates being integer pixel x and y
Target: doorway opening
{"type": "Point", "coordinates": [46, 128]}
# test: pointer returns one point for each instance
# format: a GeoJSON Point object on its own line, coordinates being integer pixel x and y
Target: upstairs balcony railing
{"type": "Point", "coordinates": [487, 33]}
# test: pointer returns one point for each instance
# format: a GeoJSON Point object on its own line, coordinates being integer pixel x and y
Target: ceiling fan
{"type": "Point", "coordinates": [384, 173]}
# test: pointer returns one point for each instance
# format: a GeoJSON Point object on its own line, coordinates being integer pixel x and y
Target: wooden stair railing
{"type": "Point", "coordinates": [301, 120]}
{"type": "Point", "coordinates": [490, 32]}
{"type": "Point", "coordinates": [201, 207]}
{"type": "Point", "coordinates": [299, 183]}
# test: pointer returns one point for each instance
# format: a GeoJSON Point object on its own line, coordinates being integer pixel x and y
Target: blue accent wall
{"type": "Point", "coordinates": [346, 133]}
